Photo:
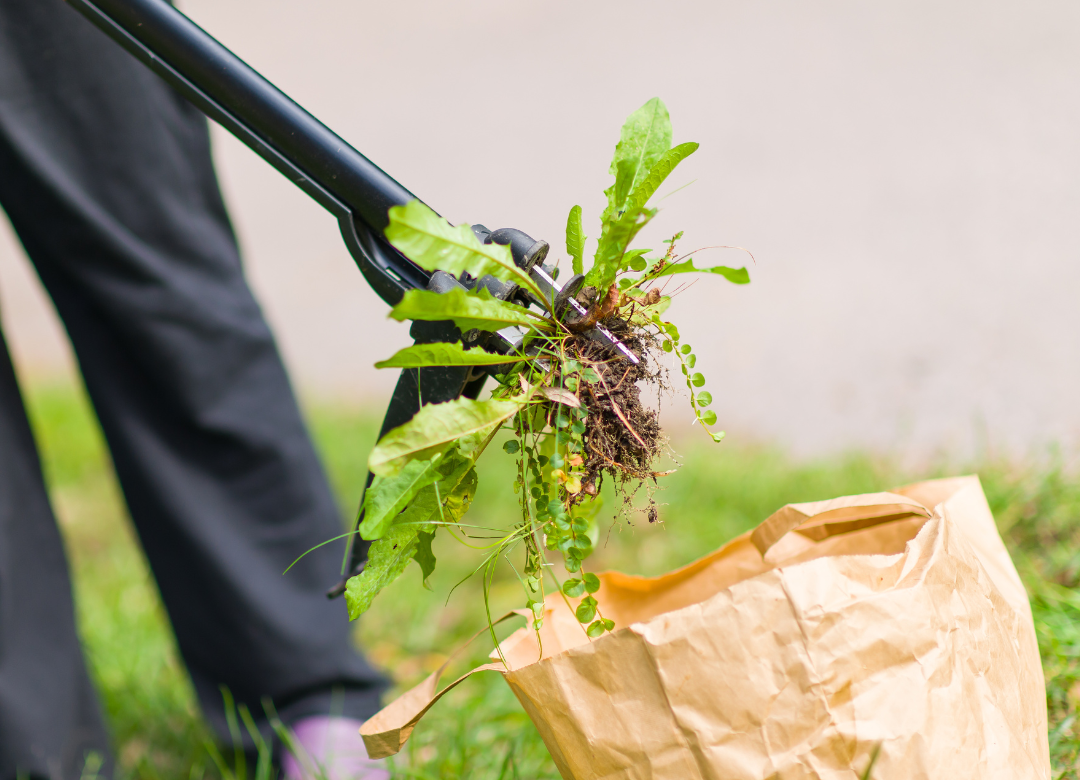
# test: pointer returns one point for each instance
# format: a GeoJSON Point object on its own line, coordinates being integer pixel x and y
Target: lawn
{"type": "Point", "coordinates": [479, 731]}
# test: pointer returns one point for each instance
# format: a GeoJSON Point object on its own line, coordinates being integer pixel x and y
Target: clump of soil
{"type": "Point", "coordinates": [622, 436]}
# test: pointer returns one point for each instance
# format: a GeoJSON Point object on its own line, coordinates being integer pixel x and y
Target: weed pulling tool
{"type": "Point", "coordinates": [348, 185]}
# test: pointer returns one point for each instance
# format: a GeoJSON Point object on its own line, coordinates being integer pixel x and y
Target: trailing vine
{"type": "Point", "coordinates": [570, 400]}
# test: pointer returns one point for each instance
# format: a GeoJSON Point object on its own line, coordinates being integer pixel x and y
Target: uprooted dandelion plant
{"type": "Point", "coordinates": [568, 393]}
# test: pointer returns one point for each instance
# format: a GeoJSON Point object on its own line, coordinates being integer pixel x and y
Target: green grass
{"type": "Point", "coordinates": [479, 731]}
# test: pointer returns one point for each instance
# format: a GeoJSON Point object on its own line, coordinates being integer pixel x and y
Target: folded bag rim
{"type": "Point", "coordinates": [386, 732]}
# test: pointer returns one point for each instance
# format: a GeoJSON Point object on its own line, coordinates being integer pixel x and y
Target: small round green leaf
{"type": "Point", "coordinates": [709, 417]}
{"type": "Point", "coordinates": [595, 629]}
{"type": "Point", "coordinates": [512, 446]}
{"type": "Point", "coordinates": [609, 624]}
{"type": "Point", "coordinates": [697, 380]}
{"type": "Point", "coordinates": [704, 398]}
{"type": "Point", "coordinates": [685, 349]}
{"type": "Point", "coordinates": [573, 588]}
{"type": "Point", "coordinates": [585, 612]}
{"type": "Point", "coordinates": [666, 346]}
{"type": "Point", "coordinates": [691, 360]}
{"type": "Point", "coordinates": [591, 583]}
{"type": "Point", "coordinates": [582, 545]}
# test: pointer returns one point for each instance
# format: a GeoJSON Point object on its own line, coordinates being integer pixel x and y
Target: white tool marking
{"type": "Point", "coordinates": [607, 334]}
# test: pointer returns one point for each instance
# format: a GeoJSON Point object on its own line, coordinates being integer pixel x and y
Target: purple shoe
{"type": "Point", "coordinates": [330, 749]}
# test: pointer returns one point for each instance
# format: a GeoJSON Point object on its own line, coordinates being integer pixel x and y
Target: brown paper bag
{"type": "Point", "coordinates": [795, 651]}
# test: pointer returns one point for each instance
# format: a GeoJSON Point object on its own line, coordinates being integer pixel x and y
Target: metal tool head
{"type": "Point", "coordinates": [529, 254]}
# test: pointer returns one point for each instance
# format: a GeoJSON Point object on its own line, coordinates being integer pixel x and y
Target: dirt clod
{"type": "Point", "coordinates": [622, 436]}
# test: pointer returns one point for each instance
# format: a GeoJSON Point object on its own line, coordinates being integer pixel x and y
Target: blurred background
{"type": "Point", "coordinates": [906, 175]}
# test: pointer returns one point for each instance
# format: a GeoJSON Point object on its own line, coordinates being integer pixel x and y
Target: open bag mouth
{"type": "Point", "coordinates": [880, 524]}
{"type": "Point", "coordinates": [890, 624]}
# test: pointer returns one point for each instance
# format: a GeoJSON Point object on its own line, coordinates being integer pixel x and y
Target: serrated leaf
{"type": "Point", "coordinates": [575, 239]}
{"type": "Point", "coordinates": [421, 510]}
{"type": "Point", "coordinates": [619, 232]}
{"type": "Point", "coordinates": [467, 310]}
{"type": "Point", "coordinates": [663, 167]}
{"type": "Point", "coordinates": [442, 354]}
{"type": "Point", "coordinates": [387, 559]}
{"type": "Point", "coordinates": [615, 237]}
{"type": "Point", "coordinates": [457, 493]}
{"type": "Point", "coordinates": [423, 556]}
{"type": "Point", "coordinates": [435, 428]}
{"type": "Point", "coordinates": [733, 275]}
{"type": "Point", "coordinates": [388, 496]}
{"type": "Point", "coordinates": [645, 136]}
{"type": "Point", "coordinates": [435, 245]}
{"type": "Point", "coordinates": [456, 486]}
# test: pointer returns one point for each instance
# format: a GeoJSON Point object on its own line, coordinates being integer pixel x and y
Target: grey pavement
{"type": "Point", "coordinates": [907, 175]}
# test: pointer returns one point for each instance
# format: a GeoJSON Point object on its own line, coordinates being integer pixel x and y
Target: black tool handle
{"type": "Point", "coordinates": [262, 116]}
{"type": "Point", "coordinates": [312, 156]}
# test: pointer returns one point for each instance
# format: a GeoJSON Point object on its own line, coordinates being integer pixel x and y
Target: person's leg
{"type": "Point", "coordinates": [50, 721]}
{"type": "Point", "coordinates": [108, 180]}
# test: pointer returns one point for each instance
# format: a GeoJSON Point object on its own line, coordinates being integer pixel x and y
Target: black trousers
{"type": "Point", "coordinates": [106, 176]}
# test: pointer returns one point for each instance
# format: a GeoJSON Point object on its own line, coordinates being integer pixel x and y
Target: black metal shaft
{"type": "Point", "coordinates": [231, 92]}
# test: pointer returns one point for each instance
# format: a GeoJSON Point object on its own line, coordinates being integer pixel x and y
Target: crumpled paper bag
{"type": "Point", "coordinates": [891, 622]}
